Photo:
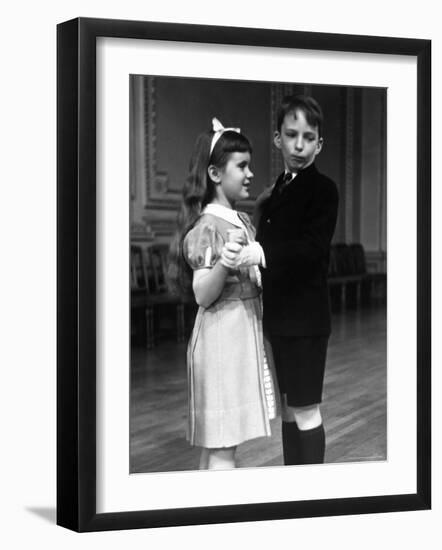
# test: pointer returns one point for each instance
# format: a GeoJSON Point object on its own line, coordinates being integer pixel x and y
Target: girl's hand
{"type": "Point", "coordinates": [252, 254]}
{"type": "Point", "coordinates": [229, 255]}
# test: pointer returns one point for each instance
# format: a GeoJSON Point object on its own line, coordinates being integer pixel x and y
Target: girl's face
{"type": "Point", "coordinates": [234, 180]}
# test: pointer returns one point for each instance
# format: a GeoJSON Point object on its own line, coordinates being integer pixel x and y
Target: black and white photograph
{"type": "Point", "coordinates": [258, 274]}
{"type": "Point", "coordinates": [235, 342]}
{"type": "Point", "coordinates": [221, 259]}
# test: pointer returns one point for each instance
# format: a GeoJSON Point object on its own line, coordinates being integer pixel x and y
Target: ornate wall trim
{"type": "Point", "coordinates": [132, 157]}
{"type": "Point", "coordinates": [149, 230]}
{"type": "Point", "coordinates": [140, 232]}
{"type": "Point", "coordinates": [276, 165]}
{"type": "Point", "coordinates": [357, 154]}
{"type": "Point", "coordinates": [383, 176]}
{"type": "Point", "coordinates": [349, 166]}
{"type": "Point", "coordinates": [157, 192]}
{"type": "Point", "coordinates": [277, 91]}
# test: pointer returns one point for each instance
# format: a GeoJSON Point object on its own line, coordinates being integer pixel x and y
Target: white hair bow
{"type": "Point", "coordinates": [219, 129]}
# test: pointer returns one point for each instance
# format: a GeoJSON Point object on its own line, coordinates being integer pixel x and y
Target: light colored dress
{"type": "Point", "coordinates": [231, 390]}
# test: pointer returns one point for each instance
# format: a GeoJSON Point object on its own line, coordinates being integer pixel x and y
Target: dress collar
{"type": "Point", "coordinates": [227, 214]}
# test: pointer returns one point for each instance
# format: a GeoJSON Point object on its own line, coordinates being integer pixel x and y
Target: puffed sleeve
{"type": "Point", "coordinates": [202, 246]}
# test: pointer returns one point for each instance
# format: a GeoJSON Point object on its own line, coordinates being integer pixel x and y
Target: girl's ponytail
{"type": "Point", "coordinates": [198, 191]}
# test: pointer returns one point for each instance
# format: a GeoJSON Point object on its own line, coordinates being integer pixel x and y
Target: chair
{"type": "Point", "coordinates": [346, 267]}
{"type": "Point", "coordinates": [141, 286]}
{"type": "Point", "coordinates": [374, 278]}
{"type": "Point", "coordinates": [149, 289]}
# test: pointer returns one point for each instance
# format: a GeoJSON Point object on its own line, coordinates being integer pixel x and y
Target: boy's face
{"type": "Point", "coordinates": [298, 141]}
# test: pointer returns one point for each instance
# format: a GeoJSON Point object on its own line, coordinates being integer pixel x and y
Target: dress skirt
{"type": "Point", "coordinates": [229, 384]}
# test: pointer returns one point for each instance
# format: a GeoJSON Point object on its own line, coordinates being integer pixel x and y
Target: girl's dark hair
{"type": "Point", "coordinates": [198, 191]}
{"type": "Point", "coordinates": [306, 104]}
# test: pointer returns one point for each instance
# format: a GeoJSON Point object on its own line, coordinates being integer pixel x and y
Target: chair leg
{"type": "Point", "coordinates": [150, 335]}
{"type": "Point", "coordinates": [358, 294]}
{"type": "Point", "coordinates": [343, 295]}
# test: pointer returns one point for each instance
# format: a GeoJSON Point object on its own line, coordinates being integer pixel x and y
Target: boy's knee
{"type": "Point", "coordinates": [307, 417]}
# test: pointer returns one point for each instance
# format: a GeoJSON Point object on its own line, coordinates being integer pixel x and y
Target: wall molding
{"type": "Point", "coordinates": [141, 232]}
{"type": "Point", "coordinates": [349, 164]}
{"type": "Point", "coordinates": [277, 91]}
{"type": "Point", "coordinates": [376, 261]}
{"type": "Point", "coordinates": [383, 177]}
{"type": "Point", "coordinates": [158, 194]}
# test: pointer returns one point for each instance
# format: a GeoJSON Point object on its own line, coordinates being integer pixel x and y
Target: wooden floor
{"type": "Point", "coordinates": [354, 401]}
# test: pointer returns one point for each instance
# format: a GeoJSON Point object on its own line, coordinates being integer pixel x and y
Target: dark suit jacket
{"type": "Point", "coordinates": [295, 231]}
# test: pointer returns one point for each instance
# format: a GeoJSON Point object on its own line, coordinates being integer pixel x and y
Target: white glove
{"type": "Point", "coordinates": [229, 255]}
{"type": "Point", "coordinates": [252, 254]}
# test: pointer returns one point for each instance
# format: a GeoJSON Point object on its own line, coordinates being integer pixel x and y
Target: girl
{"type": "Point", "coordinates": [230, 389]}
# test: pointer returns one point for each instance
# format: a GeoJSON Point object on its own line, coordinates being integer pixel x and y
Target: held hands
{"type": "Point", "coordinates": [230, 254]}
{"type": "Point", "coordinates": [234, 256]}
{"type": "Point", "coordinates": [252, 254]}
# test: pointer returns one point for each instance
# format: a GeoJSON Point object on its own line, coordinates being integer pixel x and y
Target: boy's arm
{"type": "Point", "coordinates": [307, 251]}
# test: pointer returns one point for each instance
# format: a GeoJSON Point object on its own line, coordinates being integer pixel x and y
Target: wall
{"type": "Point", "coordinates": [168, 114]}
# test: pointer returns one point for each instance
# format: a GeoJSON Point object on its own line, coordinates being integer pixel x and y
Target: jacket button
{"type": "Point", "coordinates": [268, 220]}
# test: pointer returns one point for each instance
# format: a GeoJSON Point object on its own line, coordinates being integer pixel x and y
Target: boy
{"type": "Point", "coordinates": [296, 225]}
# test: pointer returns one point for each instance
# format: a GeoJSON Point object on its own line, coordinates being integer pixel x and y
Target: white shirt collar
{"type": "Point", "coordinates": [227, 214]}
{"type": "Point", "coordinates": [291, 173]}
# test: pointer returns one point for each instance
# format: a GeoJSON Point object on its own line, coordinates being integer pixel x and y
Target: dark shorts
{"type": "Point", "coordinates": [300, 366]}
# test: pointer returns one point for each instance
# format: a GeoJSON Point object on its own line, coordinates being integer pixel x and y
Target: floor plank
{"type": "Point", "coordinates": [354, 402]}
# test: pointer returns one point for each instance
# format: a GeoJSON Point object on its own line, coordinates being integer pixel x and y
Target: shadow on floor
{"type": "Point", "coordinates": [48, 514]}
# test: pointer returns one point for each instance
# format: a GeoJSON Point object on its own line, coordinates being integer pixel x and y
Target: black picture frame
{"type": "Point", "coordinates": [76, 273]}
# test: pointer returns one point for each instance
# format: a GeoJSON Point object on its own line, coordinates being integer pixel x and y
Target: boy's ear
{"type": "Point", "coordinates": [319, 146]}
{"type": "Point", "coordinates": [214, 173]}
{"type": "Point", "coordinates": [277, 139]}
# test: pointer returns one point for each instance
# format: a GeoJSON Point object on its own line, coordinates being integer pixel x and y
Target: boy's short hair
{"type": "Point", "coordinates": [309, 106]}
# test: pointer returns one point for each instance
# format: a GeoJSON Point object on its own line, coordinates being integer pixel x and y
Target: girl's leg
{"type": "Point", "coordinates": [204, 459]}
{"type": "Point", "coordinates": [221, 459]}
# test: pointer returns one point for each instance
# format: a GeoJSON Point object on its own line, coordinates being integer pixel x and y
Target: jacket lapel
{"type": "Point", "coordinates": [278, 200]}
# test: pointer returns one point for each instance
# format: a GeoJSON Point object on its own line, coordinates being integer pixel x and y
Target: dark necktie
{"type": "Point", "coordinates": [287, 178]}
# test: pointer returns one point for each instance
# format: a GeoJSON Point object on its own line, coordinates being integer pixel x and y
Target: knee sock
{"type": "Point", "coordinates": [290, 443]}
{"type": "Point", "coordinates": [312, 445]}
